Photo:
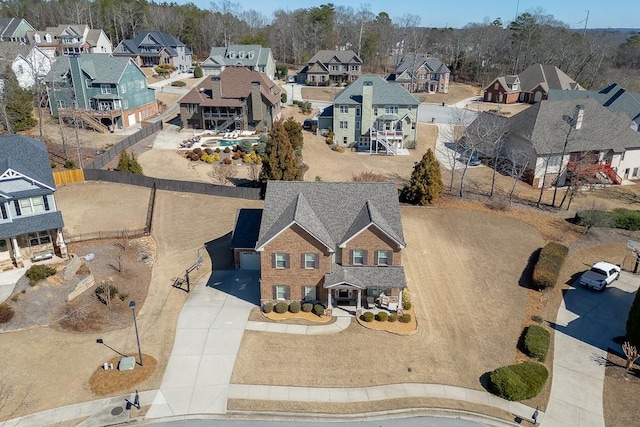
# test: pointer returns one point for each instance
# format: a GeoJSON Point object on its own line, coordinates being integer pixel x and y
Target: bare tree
{"type": "Point", "coordinates": [519, 159]}
{"type": "Point", "coordinates": [631, 353]}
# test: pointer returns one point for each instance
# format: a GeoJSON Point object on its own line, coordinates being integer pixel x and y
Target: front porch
{"type": "Point", "coordinates": [349, 300]}
{"type": "Point", "coordinates": [24, 250]}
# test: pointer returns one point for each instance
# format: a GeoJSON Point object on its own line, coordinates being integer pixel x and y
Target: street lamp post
{"type": "Point", "coordinates": [132, 306]}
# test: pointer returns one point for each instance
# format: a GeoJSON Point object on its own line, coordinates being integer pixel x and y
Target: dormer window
{"type": "Point", "coordinates": [47, 38]}
{"type": "Point", "coordinates": [36, 37]}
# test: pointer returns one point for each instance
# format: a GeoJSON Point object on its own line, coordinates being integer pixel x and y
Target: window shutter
{"type": "Point", "coordinates": [273, 260]}
{"type": "Point", "coordinates": [302, 261]}
{"type": "Point", "coordinates": [275, 292]}
{"type": "Point", "coordinates": [287, 292]}
{"type": "Point", "coordinates": [351, 256]}
{"type": "Point", "coordinates": [375, 257]}
{"type": "Point", "coordinates": [390, 255]}
{"type": "Point", "coordinates": [3, 211]}
{"type": "Point", "coordinates": [316, 261]}
{"type": "Point", "coordinates": [46, 203]}
{"type": "Point", "coordinates": [286, 261]}
{"type": "Point", "coordinates": [17, 205]}
{"type": "Point", "coordinates": [364, 257]}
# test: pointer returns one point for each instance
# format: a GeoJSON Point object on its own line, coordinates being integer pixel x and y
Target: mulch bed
{"type": "Point", "coordinates": [112, 381]}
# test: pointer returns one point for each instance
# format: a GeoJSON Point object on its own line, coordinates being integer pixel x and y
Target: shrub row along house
{"type": "Point", "coordinates": [103, 91]}
{"type": "Point", "coordinates": [336, 243]}
{"type": "Point", "coordinates": [30, 223]}
{"type": "Point", "coordinates": [373, 115]}
{"type": "Point", "coordinates": [237, 98]}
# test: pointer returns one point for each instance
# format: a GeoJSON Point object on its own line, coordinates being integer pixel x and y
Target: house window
{"type": "Point", "coordinates": [434, 77]}
{"type": "Point", "coordinates": [495, 86]}
{"type": "Point", "coordinates": [622, 156]}
{"type": "Point", "coordinates": [383, 258]}
{"type": "Point", "coordinates": [32, 205]}
{"type": "Point", "coordinates": [344, 109]}
{"type": "Point", "coordinates": [391, 109]}
{"type": "Point", "coordinates": [39, 238]}
{"type": "Point", "coordinates": [105, 89]}
{"type": "Point", "coordinates": [3, 211]}
{"type": "Point", "coordinates": [422, 76]}
{"type": "Point", "coordinates": [60, 103]}
{"type": "Point", "coordinates": [344, 125]}
{"type": "Point", "coordinates": [345, 140]}
{"type": "Point", "coordinates": [141, 84]}
{"type": "Point", "coordinates": [309, 293]}
{"type": "Point", "coordinates": [357, 257]}
{"type": "Point", "coordinates": [354, 68]}
{"type": "Point", "coordinates": [281, 260]}
{"type": "Point", "coordinates": [357, 125]}
{"type": "Point", "coordinates": [375, 111]}
{"type": "Point", "coordinates": [192, 108]}
{"type": "Point", "coordinates": [123, 88]}
{"type": "Point", "coordinates": [282, 292]}
{"type": "Point", "coordinates": [553, 161]}
{"type": "Point", "coordinates": [310, 261]}
{"type": "Point", "coordinates": [372, 292]}
{"type": "Point", "coordinates": [358, 111]}
{"type": "Point", "coordinates": [335, 68]}
{"type": "Point", "coordinates": [635, 172]}
{"type": "Point", "coordinates": [87, 83]}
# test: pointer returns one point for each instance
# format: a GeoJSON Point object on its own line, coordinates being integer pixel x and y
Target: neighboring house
{"type": "Point", "coordinates": [331, 67]}
{"type": "Point", "coordinates": [332, 242]}
{"type": "Point", "coordinates": [30, 222]}
{"type": "Point", "coordinates": [108, 92]}
{"type": "Point", "coordinates": [614, 97]}
{"type": "Point", "coordinates": [595, 141]}
{"type": "Point", "coordinates": [420, 73]}
{"type": "Point", "coordinates": [252, 57]}
{"type": "Point", "coordinates": [14, 30]}
{"type": "Point", "coordinates": [373, 115]}
{"type": "Point", "coordinates": [531, 85]}
{"type": "Point", "coordinates": [65, 40]}
{"type": "Point", "coordinates": [29, 63]}
{"type": "Point", "coordinates": [237, 98]}
{"type": "Point", "coordinates": [152, 48]}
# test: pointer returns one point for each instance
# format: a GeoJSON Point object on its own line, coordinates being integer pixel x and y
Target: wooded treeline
{"type": "Point", "coordinates": [476, 53]}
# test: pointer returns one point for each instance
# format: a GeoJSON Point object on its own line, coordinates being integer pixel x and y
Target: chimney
{"type": "Point", "coordinates": [78, 94]}
{"type": "Point", "coordinates": [256, 101]}
{"type": "Point", "coordinates": [578, 117]}
{"type": "Point", "coordinates": [367, 107]}
{"type": "Point", "coordinates": [216, 87]}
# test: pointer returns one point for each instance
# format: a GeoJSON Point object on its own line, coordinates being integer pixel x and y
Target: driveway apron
{"type": "Point", "coordinates": [587, 322]}
{"type": "Point", "coordinates": [208, 337]}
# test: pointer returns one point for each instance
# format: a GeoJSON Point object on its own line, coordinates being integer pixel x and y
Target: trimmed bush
{"type": "Point", "coordinates": [178, 83]}
{"type": "Point", "coordinates": [405, 318]}
{"type": "Point", "coordinates": [281, 307]}
{"type": "Point", "coordinates": [382, 316]}
{"type": "Point", "coordinates": [267, 307]}
{"type": "Point", "coordinates": [6, 312]}
{"type": "Point", "coordinates": [367, 316]}
{"type": "Point", "coordinates": [406, 305]}
{"type": "Point", "coordinates": [294, 307]}
{"type": "Point", "coordinates": [227, 161]}
{"type": "Point", "coordinates": [393, 317]}
{"type": "Point", "coordinates": [547, 268]}
{"type": "Point", "coordinates": [227, 150]}
{"type": "Point", "coordinates": [38, 272]}
{"type": "Point", "coordinates": [197, 72]}
{"type": "Point", "coordinates": [318, 310]}
{"type": "Point", "coordinates": [518, 382]}
{"type": "Point", "coordinates": [626, 219]}
{"type": "Point", "coordinates": [307, 307]}
{"type": "Point", "coordinates": [536, 342]}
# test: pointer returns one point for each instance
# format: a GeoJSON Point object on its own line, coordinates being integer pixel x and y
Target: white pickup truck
{"type": "Point", "coordinates": [600, 275]}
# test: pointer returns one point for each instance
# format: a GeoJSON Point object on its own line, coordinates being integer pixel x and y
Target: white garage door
{"type": "Point", "coordinates": [132, 119]}
{"type": "Point", "coordinates": [249, 260]}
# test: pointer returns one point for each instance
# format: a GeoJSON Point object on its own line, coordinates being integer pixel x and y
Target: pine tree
{"type": "Point", "coordinates": [18, 104]}
{"type": "Point", "coordinates": [129, 163]}
{"type": "Point", "coordinates": [280, 162]}
{"type": "Point", "coordinates": [633, 322]}
{"type": "Point", "coordinates": [425, 185]}
{"type": "Point", "coordinates": [294, 130]}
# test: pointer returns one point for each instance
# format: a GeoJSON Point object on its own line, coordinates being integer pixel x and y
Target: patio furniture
{"type": "Point", "coordinates": [371, 303]}
{"type": "Point", "coordinates": [42, 255]}
{"type": "Point", "coordinates": [384, 301]}
{"type": "Point", "coordinates": [392, 306]}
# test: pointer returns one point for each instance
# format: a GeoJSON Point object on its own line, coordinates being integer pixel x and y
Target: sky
{"type": "Point", "coordinates": [457, 13]}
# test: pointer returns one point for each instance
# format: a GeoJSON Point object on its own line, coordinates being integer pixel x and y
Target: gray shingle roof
{"type": "Point", "coordinates": [364, 276]}
{"type": "Point", "coordinates": [246, 230]}
{"type": "Point", "coordinates": [544, 126]}
{"type": "Point", "coordinates": [554, 78]}
{"type": "Point", "coordinates": [31, 224]}
{"type": "Point", "coordinates": [27, 156]}
{"type": "Point", "coordinates": [434, 65]}
{"type": "Point", "coordinates": [329, 210]}
{"type": "Point", "coordinates": [134, 45]}
{"type": "Point", "coordinates": [220, 55]}
{"type": "Point", "coordinates": [102, 68]}
{"type": "Point", "coordinates": [343, 56]}
{"type": "Point", "coordinates": [384, 92]}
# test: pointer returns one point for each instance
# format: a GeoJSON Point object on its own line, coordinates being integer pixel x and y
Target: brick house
{"type": "Point", "coordinates": [420, 73]}
{"type": "Point", "coordinates": [331, 67]}
{"type": "Point", "coordinates": [237, 98]}
{"type": "Point", "coordinates": [331, 242]}
{"type": "Point", "coordinates": [530, 86]}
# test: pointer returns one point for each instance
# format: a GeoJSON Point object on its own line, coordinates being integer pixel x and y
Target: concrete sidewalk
{"type": "Point", "coordinates": [586, 323]}
{"type": "Point", "coordinates": [339, 325]}
{"type": "Point", "coordinates": [8, 280]}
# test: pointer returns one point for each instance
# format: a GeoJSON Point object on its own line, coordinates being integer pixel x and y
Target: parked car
{"type": "Point", "coordinates": [471, 157]}
{"type": "Point", "coordinates": [310, 124]}
{"type": "Point", "coordinates": [600, 275]}
{"type": "Point", "coordinates": [291, 79]}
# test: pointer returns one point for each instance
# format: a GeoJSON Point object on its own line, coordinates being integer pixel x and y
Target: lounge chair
{"type": "Point", "coordinates": [371, 303]}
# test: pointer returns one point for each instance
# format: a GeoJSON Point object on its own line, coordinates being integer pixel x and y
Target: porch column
{"type": "Point", "coordinates": [329, 298]}
{"type": "Point", "coordinates": [400, 309]}
{"type": "Point", "coordinates": [16, 252]}
{"type": "Point", "coordinates": [61, 244]}
{"type": "Point", "coordinates": [359, 301]}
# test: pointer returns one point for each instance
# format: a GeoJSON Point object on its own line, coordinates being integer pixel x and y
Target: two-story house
{"type": "Point", "coordinates": [14, 30]}
{"type": "Point", "coordinates": [421, 73]}
{"type": "Point", "coordinates": [29, 63]}
{"type": "Point", "coordinates": [333, 242]}
{"type": "Point", "coordinates": [30, 222]}
{"type": "Point", "coordinates": [106, 92]}
{"type": "Point", "coordinates": [237, 99]}
{"type": "Point", "coordinates": [252, 57]}
{"type": "Point", "coordinates": [328, 67]}
{"type": "Point", "coordinates": [373, 115]}
{"type": "Point", "coordinates": [530, 86]}
{"type": "Point", "coordinates": [152, 48]}
{"type": "Point", "coordinates": [65, 40]}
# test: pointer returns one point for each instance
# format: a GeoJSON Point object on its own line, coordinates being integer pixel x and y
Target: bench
{"type": "Point", "coordinates": [42, 255]}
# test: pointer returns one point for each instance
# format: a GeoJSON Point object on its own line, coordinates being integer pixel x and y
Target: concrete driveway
{"type": "Point", "coordinates": [587, 322]}
{"type": "Point", "coordinates": [208, 337]}
{"type": "Point", "coordinates": [437, 113]}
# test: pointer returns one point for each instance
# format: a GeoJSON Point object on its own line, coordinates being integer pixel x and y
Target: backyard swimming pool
{"type": "Point", "coordinates": [228, 142]}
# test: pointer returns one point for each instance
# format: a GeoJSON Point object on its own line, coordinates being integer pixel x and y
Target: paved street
{"type": "Point", "coordinates": [397, 422]}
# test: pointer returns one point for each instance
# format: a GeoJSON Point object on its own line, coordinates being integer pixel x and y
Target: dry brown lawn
{"type": "Point", "coordinates": [469, 312]}
{"type": "Point", "coordinates": [104, 383]}
{"type": "Point", "coordinates": [505, 109]}
{"type": "Point", "coordinates": [323, 94]}
{"type": "Point", "coordinates": [457, 93]}
{"type": "Point", "coordinates": [620, 393]}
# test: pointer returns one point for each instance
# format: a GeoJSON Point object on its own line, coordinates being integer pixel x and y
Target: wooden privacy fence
{"type": "Point", "coordinates": [68, 176]}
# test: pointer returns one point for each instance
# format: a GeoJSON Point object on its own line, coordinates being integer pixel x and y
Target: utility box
{"type": "Point", "coordinates": [127, 364]}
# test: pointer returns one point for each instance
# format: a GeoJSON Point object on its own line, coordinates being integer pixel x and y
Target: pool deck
{"type": "Point", "coordinates": [171, 137]}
